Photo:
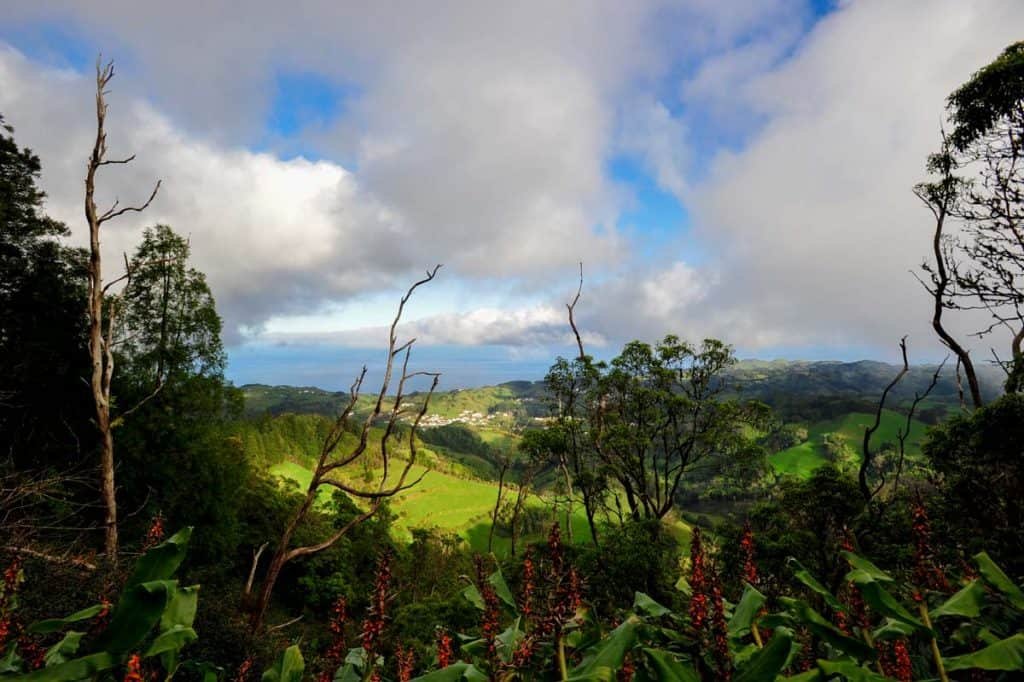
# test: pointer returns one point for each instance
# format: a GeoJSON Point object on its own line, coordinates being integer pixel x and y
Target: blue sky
{"type": "Point", "coordinates": [737, 171]}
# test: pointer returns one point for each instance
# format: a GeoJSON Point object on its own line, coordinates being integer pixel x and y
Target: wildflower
{"type": "Point", "coordinates": [528, 587]}
{"type": "Point", "coordinates": [373, 624]}
{"type": "Point", "coordinates": [404, 662]}
{"type": "Point", "coordinates": [747, 548]}
{"type": "Point", "coordinates": [524, 652]}
{"type": "Point", "coordinates": [335, 653]}
{"type": "Point", "coordinates": [155, 534]}
{"type": "Point", "coordinates": [902, 668]}
{"type": "Point", "coordinates": [133, 672]}
{"type": "Point", "coordinates": [33, 654]}
{"type": "Point", "coordinates": [720, 628]}
{"type": "Point", "coordinates": [555, 548]}
{"type": "Point", "coordinates": [698, 583]}
{"type": "Point", "coordinates": [928, 575]}
{"type": "Point", "coordinates": [444, 648]}
{"type": "Point", "coordinates": [489, 625]}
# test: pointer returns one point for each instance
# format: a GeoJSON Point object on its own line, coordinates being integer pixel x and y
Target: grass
{"type": "Point", "coordinates": [440, 501]}
{"type": "Point", "coordinates": [802, 460]}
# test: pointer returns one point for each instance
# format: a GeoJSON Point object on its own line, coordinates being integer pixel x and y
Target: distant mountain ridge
{"type": "Point", "coordinates": [776, 382]}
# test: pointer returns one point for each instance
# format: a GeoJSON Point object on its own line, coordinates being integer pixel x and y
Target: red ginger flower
{"type": "Point", "coordinates": [529, 586]}
{"type": "Point", "coordinates": [928, 575]}
{"type": "Point", "coordinates": [155, 534]}
{"type": "Point", "coordinates": [336, 650]}
{"type": "Point", "coordinates": [404, 662]}
{"type": "Point", "coordinates": [133, 672]}
{"type": "Point", "coordinates": [490, 627]}
{"type": "Point", "coordinates": [444, 648]}
{"type": "Point", "coordinates": [698, 582]}
{"type": "Point", "coordinates": [720, 628]}
{"type": "Point", "coordinates": [902, 669]}
{"type": "Point", "coordinates": [373, 624]}
{"type": "Point", "coordinates": [748, 549]}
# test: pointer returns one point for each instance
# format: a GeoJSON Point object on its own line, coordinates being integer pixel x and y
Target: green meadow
{"type": "Point", "coordinates": [801, 460]}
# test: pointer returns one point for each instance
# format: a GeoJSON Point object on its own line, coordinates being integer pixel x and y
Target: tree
{"type": "Point", "coordinates": [330, 462]}
{"type": "Point", "coordinates": [171, 368]}
{"type": "Point", "coordinates": [42, 329]}
{"type": "Point", "coordinates": [979, 183]}
{"type": "Point", "coordinates": [658, 412]}
{"type": "Point", "coordinates": [102, 308]}
{"type": "Point", "coordinates": [977, 458]}
{"type": "Point", "coordinates": [169, 325]}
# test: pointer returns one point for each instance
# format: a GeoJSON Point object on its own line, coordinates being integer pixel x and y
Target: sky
{"type": "Point", "coordinates": [738, 170]}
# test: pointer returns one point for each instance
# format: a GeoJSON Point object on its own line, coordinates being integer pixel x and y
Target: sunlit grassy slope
{"type": "Point", "coordinates": [801, 460]}
{"type": "Point", "coordinates": [438, 501]}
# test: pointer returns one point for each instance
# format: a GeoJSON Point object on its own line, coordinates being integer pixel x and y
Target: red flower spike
{"type": "Point", "coordinates": [155, 534]}
{"type": "Point", "coordinates": [444, 648]}
{"type": "Point", "coordinates": [133, 672]}
{"type": "Point", "coordinates": [928, 575]}
{"type": "Point", "coordinates": [404, 662]}
{"type": "Point", "coordinates": [698, 583]}
{"type": "Point", "coordinates": [747, 548]}
{"type": "Point", "coordinates": [373, 624]}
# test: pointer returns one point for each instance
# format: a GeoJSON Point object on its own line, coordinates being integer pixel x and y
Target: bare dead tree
{"type": "Point", "coordinates": [330, 462]}
{"type": "Point", "coordinates": [102, 308]}
{"type": "Point", "coordinates": [867, 463]}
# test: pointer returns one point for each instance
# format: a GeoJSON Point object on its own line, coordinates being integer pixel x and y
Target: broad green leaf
{"type": "Point", "coordinates": [64, 649]}
{"type": "Point", "coordinates": [850, 671]}
{"type": "Point", "coordinates": [966, 603]}
{"type": "Point", "coordinates": [816, 623]}
{"type": "Point", "coordinates": [171, 641]}
{"type": "Point", "coordinates": [497, 581]}
{"type": "Point", "coordinates": [510, 637]}
{"type": "Point", "coordinates": [666, 667]}
{"type": "Point", "coordinates": [83, 668]}
{"type": "Point", "coordinates": [472, 594]}
{"type": "Point", "coordinates": [995, 577]}
{"type": "Point", "coordinates": [181, 608]}
{"type": "Point", "coordinates": [864, 569]}
{"type": "Point", "coordinates": [606, 658]}
{"type": "Point", "coordinates": [809, 676]}
{"type": "Point", "coordinates": [804, 576]}
{"type": "Point", "coordinates": [347, 673]}
{"type": "Point", "coordinates": [893, 629]}
{"type": "Point", "coordinates": [45, 627]}
{"type": "Point", "coordinates": [746, 611]}
{"type": "Point", "coordinates": [288, 668]}
{"type": "Point", "coordinates": [879, 599]}
{"type": "Point", "coordinates": [643, 604]}
{"type": "Point", "coordinates": [767, 663]}
{"type": "Point", "coordinates": [138, 610]}
{"type": "Point", "coordinates": [453, 673]}
{"type": "Point", "coordinates": [1007, 654]}
{"type": "Point", "coordinates": [162, 561]}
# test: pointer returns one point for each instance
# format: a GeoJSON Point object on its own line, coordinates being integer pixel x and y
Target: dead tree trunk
{"type": "Point", "coordinates": [329, 461]}
{"type": "Point", "coordinates": [102, 310]}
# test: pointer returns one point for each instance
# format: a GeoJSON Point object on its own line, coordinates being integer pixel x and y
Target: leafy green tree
{"type": "Point", "coordinates": [43, 409]}
{"type": "Point", "coordinates": [169, 326]}
{"type": "Point", "coordinates": [978, 459]}
{"type": "Point", "coordinates": [180, 455]}
{"type": "Point", "coordinates": [659, 412]}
